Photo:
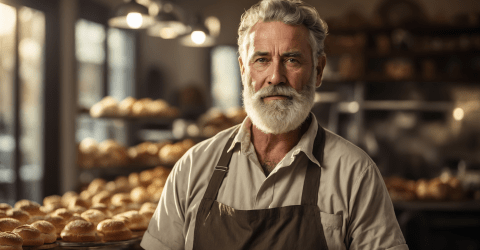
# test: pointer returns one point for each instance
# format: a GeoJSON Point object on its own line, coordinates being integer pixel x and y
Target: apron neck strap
{"type": "Point", "coordinates": [311, 185]}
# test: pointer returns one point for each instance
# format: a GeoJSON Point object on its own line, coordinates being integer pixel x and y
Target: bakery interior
{"type": "Point", "coordinates": [96, 109]}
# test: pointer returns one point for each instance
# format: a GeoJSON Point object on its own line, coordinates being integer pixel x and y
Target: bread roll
{"type": "Point", "coordinates": [139, 195]}
{"type": "Point", "coordinates": [134, 179]}
{"type": "Point", "coordinates": [79, 231]}
{"type": "Point", "coordinates": [133, 220]}
{"type": "Point", "coordinates": [10, 241]}
{"type": "Point", "coordinates": [94, 216]}
{"type": "Point", "coordinates": [18, 214]}
{"type": "Point", "coordinates": [102, 208]}
{"type": "Point", "coordinates": [78, 201]}
{"type": "Point", "coordinates": [77, 210]}
{"type": "Point", "coordinates": [52, 200]}
{"type": "Point", "coordinates": [125, 106]}
{"type": "Point", "coordinates": [30, 235]}
{"type": "Point", "coordinates": [147, 213]}
{"type": "Point", "coordinates": [47, 230]}
{"type": "Point", "coordinates": [8, 224]}
{"type": "Point", "coordinates": [58, 222]}
{"type": "Point", "coordinates": [422, 189]}
{"type": "Point", "coordinates": [86, 195]}
{"type": "Point", "coordinates": [97, 185]}
{"type": "Point", "coordinates": [114, 230]}
{"type": "Point", "coordinates": [66, 197]}
{"type": "Point", "coordinates": [5, 206]}
{"type": "Point", "coordinates": [76, 217]}
{"type": "Point", "coordinates": [438, 190]}
{"type": "Point", "coordinates": [102, 197]}
{"type": "Point", "coordinates": [122, 184]}
{"type": "Point", "coordinates": [63, 212]}
{"type": "Point", "coordinates": [3, 214]}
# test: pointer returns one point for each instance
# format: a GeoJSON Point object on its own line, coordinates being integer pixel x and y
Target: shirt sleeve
{"type": "Point", "coordinates": [165, 230]}
{"type": "Point", "coordinates": [372, 222]}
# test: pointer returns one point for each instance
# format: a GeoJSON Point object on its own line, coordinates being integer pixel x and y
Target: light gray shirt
{"type": "Point", "coordinates": [356, 210]}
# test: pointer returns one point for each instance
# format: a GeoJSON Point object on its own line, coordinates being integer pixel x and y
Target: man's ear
{"type": "Point", "coordinates": [322, 61]}
{"type": "Point", "coordinates": [240, 62]}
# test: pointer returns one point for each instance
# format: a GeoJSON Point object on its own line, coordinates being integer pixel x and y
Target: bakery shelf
{"type": "Point", "coordinates": [447, 206]}
{"type": "Point", "coordinates": [408, 105]}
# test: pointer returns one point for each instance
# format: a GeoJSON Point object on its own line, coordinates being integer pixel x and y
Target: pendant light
{"type": "Point", "coordinates": [200, 35]}
{"type": "Point", "coordinates": [167, 23]}
{"type": "Point", "coordinates": [131, 15]}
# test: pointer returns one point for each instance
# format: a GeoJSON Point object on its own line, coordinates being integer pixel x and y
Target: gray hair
{"type": "Point", "coordinates": [291, 12]}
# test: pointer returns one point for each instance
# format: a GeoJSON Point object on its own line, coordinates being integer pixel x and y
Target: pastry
{"type": "Point", "coordinates": [102, 208]}
{"type": "Point", "coordinates": [47, 230]}
{"type": "Point", "coordinates": [94, 216]}
{"type": "Point", "coordinates": [5, 206]}
{"type": "Point", "coordinates": [114, 230]}
{"type": "Point", "coordinates": [139, 195]}
{"type": "Point", "coordinates": [79, 231]}
{"type": "Point", "coordinates": [30, 235]}
{"type": "Point", "coordinates": [63, 212]}
{"type": "Point", "coordinates": [102, 197]}
{"type": "Point", "coordinates": [58, 222]}
{"type": "Point", "coordinates": [133, 220]}
{"type": "Point", "coordinates": [18, 214]}
{"type": "Point", "coordinates": [10, 241]}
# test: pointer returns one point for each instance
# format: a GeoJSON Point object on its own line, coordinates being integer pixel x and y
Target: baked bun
{"type": "Point", "coordinates": [102, 208]}
{"type": "Point", "coordinates": [3, 214]}
{"type": "Point", "coordinates": [121, 199]}
{"type": "Point", "coordinates": [77, 210]}
{"type": "Point", "coordinates": [79, 231]}
{"type": "Point", "coordinates": [30, 235]}
{"type": "Point", "coordinates": [51, 200]}
{"type": "Point", "coordinates": [102, 197]}
{"type": "Point", "coordinates": [58, 222]}
{"type": "Point", "coordinates": [5, 206]}
{"type": "Point", "coordinates": [10, 241]}
{"type": "Point", "coordinates": [32, 209]}
{"type": "Point", "coordinates": [139, 195]}
{"type": "Point", "coordinates": [63, 212]}
{"type": "Point", "coordinates": [8, 224]}
{"type": "Point", "coordinates": [78, 201]}
{"type": "Point", "coordinates": [18, 214]}
{"type": "Point", "coordinates": [47, 230]}
{"type": "Point", "coordinates": [114, 230]}
{"type": "Point", "coordinates": [76, 217]}
{"type": "Point", "coordinates": [125, 106]}
{"type": "Point", "coordinates": [67, 196]}
{"type": "Point", "coordinates": [97, 185]}
{"type": "Point", "coordinates": [94, 216]}
{"type": "Point", "coordinates": [133, 220]}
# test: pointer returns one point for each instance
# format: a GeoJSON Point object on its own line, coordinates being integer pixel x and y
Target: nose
{"type": "Point", "coordinates": [277, 73]}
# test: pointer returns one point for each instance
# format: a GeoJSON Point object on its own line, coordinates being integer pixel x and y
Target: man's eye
{"type": "Point", "coordinates": [261, 60]}
{"type": "Point", "coordinates": [292, 60]}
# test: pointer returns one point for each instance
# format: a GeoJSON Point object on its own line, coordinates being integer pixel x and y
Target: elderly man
{"type": "Point", "coordinates": [278, 180]}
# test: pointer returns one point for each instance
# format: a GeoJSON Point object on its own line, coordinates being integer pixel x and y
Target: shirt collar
{"type": "Point", "coordinates": [304, 145]}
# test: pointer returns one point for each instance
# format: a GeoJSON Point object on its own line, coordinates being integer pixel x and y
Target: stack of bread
{"type": "Point", "coordinates": [443, 188]}
{"type": "Point", "coordinates": [107, 211]}
{"type": "Point", "coordinates": [131, 107]}
{"type": "Point", "coordinates": [110, 153]}
{"type": "Point", "coordinates": [214, 120]}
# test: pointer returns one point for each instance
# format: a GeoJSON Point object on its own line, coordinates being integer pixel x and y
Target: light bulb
{"type": "Point", "coordinates": [134, 20]}
{"type": "Point", "coordinates": [168, 33]}
{"type": "Point", "coordinates": [198, 37]}
{"type": "Point", "coordinates": [458, 114]}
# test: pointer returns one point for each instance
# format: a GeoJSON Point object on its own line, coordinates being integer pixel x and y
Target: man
{"type": "Point", "coordinates": [278, 180]}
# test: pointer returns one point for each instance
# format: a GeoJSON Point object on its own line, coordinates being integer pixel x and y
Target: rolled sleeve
{"type": "Point", "coordinates": [165, 230]}
{"type": "Point", "coordinates": [372, 222]}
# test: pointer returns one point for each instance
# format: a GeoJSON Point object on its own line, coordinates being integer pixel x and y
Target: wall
{"type": "Point", "coordinates": [181, 65]}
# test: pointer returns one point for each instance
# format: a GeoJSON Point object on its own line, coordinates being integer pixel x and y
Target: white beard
{"type": "Point", "coordinates": [278, 116]}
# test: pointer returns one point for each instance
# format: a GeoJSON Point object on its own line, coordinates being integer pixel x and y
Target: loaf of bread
{"type": "Point", "coordinates": [10, 241]}
{"type": "Point", "coordinates": [114, 230]}
{"type": "Point", "coordinates": [47, 230]}
{"type": "Point", "coordinates": [79, 231]}
{"type": "Point", "coordinates": [8, 224]}
{"type": "Point", "coordinates": [30, 235]}
{"type": "Point", "coordinates": [133, 220]}
{"type": "Point", "coordinates": [18, 214]}
{"type": "Point", "coordinates": [58, 222]}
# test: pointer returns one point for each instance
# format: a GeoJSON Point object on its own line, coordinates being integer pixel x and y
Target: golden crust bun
{"type": "Point", "coordinates": [79, 231]}
{"type": "Point", "coordinates": [58, 222]}
{"type": "Point", "coordinates": [122, 184]}
{"type": "Point", "coordinates": [18, 214]}
{"type": "Point", "coordinates": [102, 197]}
{"type": "Point", "coordinates": [121, 199]}
{"type": "Point", "coordinates": [147, 213]}
{"type": "Point", "coordinates": [47, 230]}
{"type": "Point", "coordinates": [94, 216]}
{"type": "Point", "coordinates": [9, 240]}
{"type": "Point", "coordinates": [67, 196]}
{"type": "Point", "coordinates": [76, 217]}
{"type": "Point", "coordinates": [125, 106]}
{"type": "Point", "coordinates": [63, 212]}
{"type": "Point", "coordinates": [8, 224]}
{"type": "Point", "coordinates": [108, 106]}
{"type": "Point", "coordinates": [97, 185]}
{"type": "Point", "coordinates": [141, 107]}
{"type": "Point", "coordinates": [114, 230]}
{"type": "Point", "coordinates": [31, 207]}
{"type": "Point", "coordinates": [30, 235]}
{"type": "Point", "coordinates": [52, 200]}
{"type": "Point", "coordinates": [51, 207]}
{"type": "Point", "coordinates": [438, 190]}
{"type": "Point", "coordinates": [133, 220]}
{"type": "Point", "coordinates": [3, 214]}
{"type": "Point", "coordinates": [156, 186]}
{"type": "Point", "coordinates": [116, 209]}
{"type": "Point", "coordinates": [146, 177]}
{"type": "Point", "coordinates": [134, 179]}
{"type": "Point", "coordinates": [5, 206]}
{"type": "Point", "coordinates": [139, 195]}
{"type": "Point", "coordinates": [148, 206]}
{"type": "Point", "coordinates": [102, 208]}
{"type": "Point", "coordinates": [78, 202]}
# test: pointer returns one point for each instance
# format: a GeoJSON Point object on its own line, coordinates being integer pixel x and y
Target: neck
{"type": "Point", "coordinates": [272, 148]}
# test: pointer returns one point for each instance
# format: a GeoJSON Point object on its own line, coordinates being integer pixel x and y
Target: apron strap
{"type": "Point", "coordinates": [311, 185]}
{"type": "Point", "coordinates": [220, 170]}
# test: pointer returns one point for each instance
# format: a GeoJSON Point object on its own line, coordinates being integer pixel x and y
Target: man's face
{"type": "Point", "coordinates": [279, 76]}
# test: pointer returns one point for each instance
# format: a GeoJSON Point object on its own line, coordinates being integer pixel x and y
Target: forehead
{"type": "Point", "coordinates": [280, 36]}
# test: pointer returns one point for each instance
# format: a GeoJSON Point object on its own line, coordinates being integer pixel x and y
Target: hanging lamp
{"type": "Point", "coordinates": [131, 15]}
{"type": "Point", "coordinates": [200, 35]}
{"type": "Point", "coordinates": [167, 23]}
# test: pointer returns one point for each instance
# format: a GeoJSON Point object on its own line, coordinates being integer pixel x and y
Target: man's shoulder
{"type": "Point", "coordinates": [213, 144]}
{"type": "Point", "coordinates": [338, 148]}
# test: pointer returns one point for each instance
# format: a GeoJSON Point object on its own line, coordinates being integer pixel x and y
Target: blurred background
{"type": "Point", "coordinates": [105, 89]}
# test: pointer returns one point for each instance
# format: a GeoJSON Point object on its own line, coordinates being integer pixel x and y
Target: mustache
{"type": "Point", "coordinates": [276, 90]}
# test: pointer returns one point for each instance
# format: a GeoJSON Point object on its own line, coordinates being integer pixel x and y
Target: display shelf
{"type": "Point", "coordinates": [459, 206]}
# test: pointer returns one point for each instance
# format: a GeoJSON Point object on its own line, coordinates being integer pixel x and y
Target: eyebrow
{"type": "Point", "coordinates": [286, 54]}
